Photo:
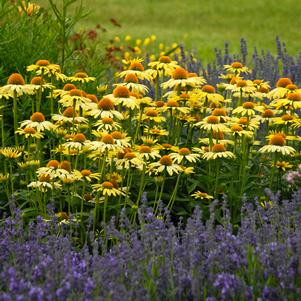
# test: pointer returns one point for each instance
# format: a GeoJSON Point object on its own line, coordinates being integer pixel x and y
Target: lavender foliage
{"type": "Point", "coordinates": [158, 260]}
{"type": "Point", "coordinates": [264, 64]}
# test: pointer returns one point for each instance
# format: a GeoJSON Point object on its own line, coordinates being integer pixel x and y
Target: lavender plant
{"type": "Point", "coordinates": [158, 260]}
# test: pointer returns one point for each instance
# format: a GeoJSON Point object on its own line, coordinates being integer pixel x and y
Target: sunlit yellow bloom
{"type": "Point", "coordinates": [249, 124]}
{"type": "Point", "coordinates": [67, 117]}
{"type": "Point", "coordinates": [136, 68]}
{"type": "Point", "coordinates": [165, 164]}
{"type": "Point", "coordinates": [38, 122]}
{"type": "Point", "coordinates": [187, 170]}
{"type": "Point", "coordinates": [87, 175]}
{"type": "Point", "coordinates": [212, 123]}
{"type": "Point", "coordinates": [29, 164]}
{"type": "Point", "coordinates": [292, 101]}
{"type": "Point", "coordinates": [152, 114]}
{"type": "Point", "coordinates": [207, 95]}
{"type": "Point", "coordinates": [29, 132]}
{"type": "Point", "coordinates": [81, 77]}
{"type": "Point", "coordinates": [43, 67]}
{"type": "Point", "coordinates": [288, 120]}
{"type": "Point", "coordinates": [147, 152]}
{"type": "Point", "coordinates": [68, 178]}
{"type": "Point", "coordinates": [155, 131]}
{"type": "Point", "coordinates": [105, 109]}
{"type": "Point", "coordinates": [237, 130]}
{"type": "Point", "coordinates": [102, 88]}
{"type": "Point", "coordinates": [283, 86]}
{"type": "Point", "coordinates": [130, 160]}
{"type": "Point", "coordinates": [180, 79]}
{"type": "Point", "coordinates": [241, 86]}
{"type": "Point", "coordinates": [38, 83]}
{"type": "Point", "coordinates": [11, 152]}
{"type": "Point", "coordinates": [282, 165]}
{"type": "Point", "coordinates": [277, 145]}
{"type": "Point", "coordinates": [218, 151]}
{"type": "Point", "coordinates": [107, 189]}
{"type": "Point", "coordinates": [173, 106]}
{"type": "Point", "coordinates": [77, 142]}
{"type": "Point", "coordinates": [202, 195]}
{"type": "Point", "coordinates": [106, 144]}
{"type": "Point", "coordinates": [76, 98]}
{"type": "Point", "coordinates": [107, 124]}
{"type": "Point", "coordinates": [16, 87]}
{"type": "Point", "coordinates": [44, 183]}
{"type": "Point", "coordinates": [4, 177]}
{"type": "Point", "coordinates": [237, 68]}
{"type": "Point", "coordinates": [248, 109]}
{"type": "Point", "coordinates": [163, 67]}
{"type": "Point", "coordinates": [183, 154]}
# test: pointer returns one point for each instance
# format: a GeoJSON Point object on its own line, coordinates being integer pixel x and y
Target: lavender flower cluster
{"type": "Point", "coordinates": [158, 260]}
{"type": "Point", "coordinates": [264, 64]}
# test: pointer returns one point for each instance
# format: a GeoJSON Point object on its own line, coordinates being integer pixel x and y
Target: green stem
{"type": "Point", "coordinates": [174, 194]}
{"type": "Point", "coordinates": [15, 114]}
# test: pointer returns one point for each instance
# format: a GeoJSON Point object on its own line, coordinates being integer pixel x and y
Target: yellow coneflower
{"type": "Point", "coordinates": [122, 95]}
{"type": "Point", "coordinates": [207, 95]}
{"type": "Point", "coordinates": [288, 120]}
{"type": "Point", "coordinates": [147, 152]}
{"type": "Point", "coordinates": [87, 174]}
{"type": "Point", "coordinates": [75, 97]}
{"type": "Point", "coordinates": [212, 123]}
{"type": "Point", "coordinates": [29, 132]}
{"type": "Point", "coordinates": [248, 108]}
{"type": "Point", "coordinates": [152, 114]}
{"type": "Point", "coordinates": [68, 117]}
{"type": "Point", "coordinates": [237, 130]}
{"type": "Point", "coordinates": [81, 77]}
{"type": "Point", "coordinates": [78, 142]}
{"type": "Point", "coordinates": [39, 83]}
{"type": "Point", "coordinates": [132, 83]}
{"type": "Point", "coordinates": [180, 79]}
{"type": "Point", "coordinates": [163, 67]}
{"type": "Point", "coordinates": [107, 188]}
{"type": "Point", "coordinates": [105, 109]}
{"type": "Point", "coordinates": [283, 86]}
{"type": "Point", "coordinates": [45, 182]}
{"type": "Point", "coordinates": [282, 165]}
{"type": "Point", "coordinates": [249, 124]}
{"type": "Point", "coordinates": [4, 177]}
{"type": "Point", "coordinates": [29, 164]}
{"type": "Point", "coordinates": [277, 145]}
{"type": "Point", "coordinates": [130, 160]}
{"type": "Point", "coordinates": [218, 151]}
{"type": "Point", "coordinates": [244, 87]}
{"type": "Point", "coordinates": [38, 122]}
{"type": "Point", "coordinates": [292, 101]}
{"type": "Point", "coordinates": [237, 68]}
{"type": "Point", "coordinates": [68, 179]}
{"type": "Point", "coordinates": [135, 67]}
{"type": "Point", "coordinates": [107, 124]}
{"type": "Point", "coordinates": [16, 87]}
{"type": "Point", "coordinates": [105, 144]}
{"type": "Point", "coordinates": [165, 164]}
{"type": "Point", "coordinates": [156, 131]}
{"type": "Point", "coordinates": [183, 154]}
{"type": "Point", "coordinates": [11, 152]}
{"type": "Point", "coordinates": [202, 195]}
{"type": "Point", "coordinates": [55, 169]}
{"type": "Point", "coordinates": [174, 106]}
{"type": "Point", "coordinates": [45, 68]}
{"type": "Point", "coordinates": [61, 92]}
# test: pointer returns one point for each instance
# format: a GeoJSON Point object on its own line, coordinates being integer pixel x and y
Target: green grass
{"type": "Point", "coordinates": [202, 25]}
